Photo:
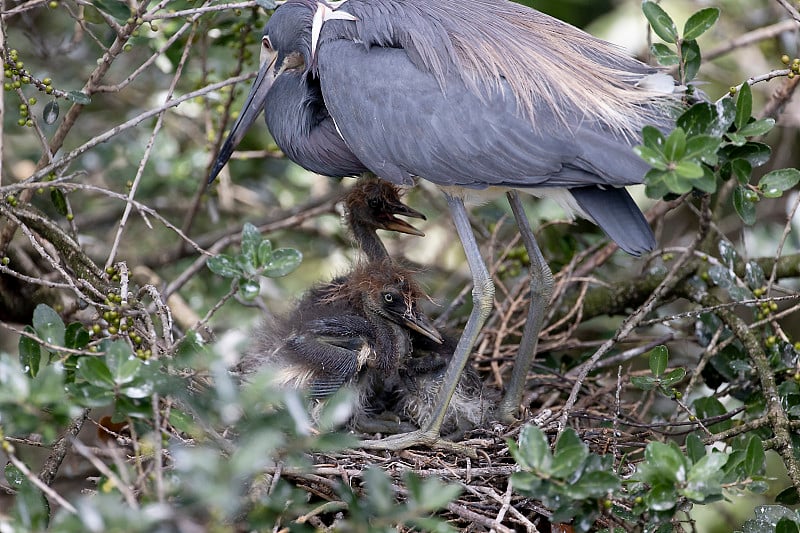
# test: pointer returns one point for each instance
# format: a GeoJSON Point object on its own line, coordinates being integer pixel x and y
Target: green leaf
{"type": "Point", "coordinates": [76, 337]}
{"type": "Point", "coordinates": [659, 356]}
{"type": "Point", "coordinates": [528, 484]}
{"type": "Point", "coordinates": [754, 459]}
{"type": "Point", "coordinates": [672, 377]}
{"type": "Point", "coordinates": [379, 490]}
{"type": "Point", "coordinates": [757, 127]}
{"type": "Point", "coordinates": [533, 452]}
{"type": "Point", "coordinates": [695, 449]}
{"type": "Point", "coordinates": [689, 170]}
{"type": "Point", "coordinates": [30, 353]}
{"type": "Point", "coordinates": [788, 496]}
{"type": "Point", "coordinates": [30, 505]}
{"type": "Point", "coordinates": [704, 477]}
{"type": "Point", "coordinates": [48, 325]}
{"type": "Point", "coordinates": [264, 253]}
{"type": "Point", "coordinates": [644, 382]}
{"type": "Point", "coordinates": [690, 52]}
{"type": "Point", "coordinates": [59, 201]}
{"type": "Point", "coordinates": [223, 265]}
{"type": "Point", "coordinates": [745, 208]}
{"type": "Point", "coordinates": [744, 106]}
{"type": "Point", "coordinates": [755, 153]}
{"type": "Point", "coordinates": [741, 169]}
{"type": "Point", "coordinates": [664, 54]}
{"type": "Point", "coordinates": [569, 454]}
{"type": "Point", "coordinates": [95, 371]}
{"type": "Point", "coordinates": [249, 289]}
{"type": "Point", "coordinates": [121, 362]}
{"type": "Point", "coordinates": [661, 497]}
{"type": "Point", "coordinates": [653, 138]}
{"type": "Point", "coordinates": [775, 183]}
{"type": "Point", "coordinates": [593, 485]}
{"type": "Point", "coordinates": [282, 262]}
{"type": "Point", "coordinates": [708, 183]}
{"type": "Point", "coordinates": [708, 407]}
{"type": "Point", "coordinates": [652, 157]}
{"type": "Point", "coordinates": [251, 239]}
{"type": "Point", "coordinates": [726, 114]}
{"type": "Point", "coordinates": [661, 23]}
{"type": "Point", "coordinates": [700, 22]}
{"type": "Point", "coordinates": [434, 494]}
{"type": "Point", "coordinates": [50, 113]}
{"type": "Point", "coordinates": [698, 120]}
{"type": "Point", "coordinates": [704, 147]}
{"type": "Point", "coordinates": [675, 146]}
{"type": "Point", "coordinates": [115, 8]}
{"type": "Point", "coordinates": [787, 525]}
{"type": "Point", "coordinates": [79, 97]}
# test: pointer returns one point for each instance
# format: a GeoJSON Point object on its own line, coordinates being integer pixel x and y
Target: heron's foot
{"type": "Point", "coordinates": [419, 437]}
{"type": "Point", "coordinates": [508, 410]}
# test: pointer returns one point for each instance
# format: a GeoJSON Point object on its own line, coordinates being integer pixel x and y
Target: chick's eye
{"type": "Point", "coordinates": [388, 298]}
{"type": "Point", "coordinates": [373, 203]}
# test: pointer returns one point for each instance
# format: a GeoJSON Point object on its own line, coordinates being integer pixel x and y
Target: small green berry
{"type": "Point", "coordinates": [8, 73]}
{"type": "Point", "coordinates": [5, 260]}
{"type": "Point", "coordinates": [127, 48]}
{"type": "Point", "coordinates": [771, 340]}
{"type": "Point", "coordinates": [29, 123]}
{"type": "Point", "coordinates": [47, 81]}
{"type": "Point", "coordinates": [70, 217]}
{"type": "Point", "coordinates": [31, 101]}
{"type": "Point", "coordinates": [7, 86]}
{"type": "Point", "coordinates": [785, 59]}
{"type": "Point", "coordinates": [732, 90]}
{"type": "Point", "coordinates": [96, 328]}
{"type": "Point", "coordinates": [773, 306]}
{"type": "Point", "coordinates": [52, 4]}
{"type": "Point", "coordinates": [16, 84]}
{"type": "Point", "coordinates": [21, 122]}
{"type": "Point", "coordinates": [19, 65]}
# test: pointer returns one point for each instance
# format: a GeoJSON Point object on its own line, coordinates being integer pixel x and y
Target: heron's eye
{"type": "Point", "coordinates": [266, 43]}
{"type": "Point", "coordinates": [388, 298]}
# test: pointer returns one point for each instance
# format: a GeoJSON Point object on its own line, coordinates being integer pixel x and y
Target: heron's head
{"type": "Point", "coordinates": [385, 290]}
{"type": "Point", "coordinates": [285, 47]}
{"type": "Point", "coordinates": [373, 204]}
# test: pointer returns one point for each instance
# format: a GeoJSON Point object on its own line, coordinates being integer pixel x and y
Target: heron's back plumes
{"type": "Point", "coordinates": [490, 43]}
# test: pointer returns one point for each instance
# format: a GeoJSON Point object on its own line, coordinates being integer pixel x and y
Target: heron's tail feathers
{"type": "Point", "coordinates": [617, 214]}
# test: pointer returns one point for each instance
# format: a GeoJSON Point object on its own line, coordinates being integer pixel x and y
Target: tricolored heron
{"type": "Point", "coordinates": [470, 95]}
{"type": "Point", "coordinates": [354, 330]}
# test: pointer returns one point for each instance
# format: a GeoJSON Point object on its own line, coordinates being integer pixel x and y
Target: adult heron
{"type": "Point", "coordinates": [471, 95]}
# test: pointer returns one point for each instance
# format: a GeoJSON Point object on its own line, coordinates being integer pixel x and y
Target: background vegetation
{"type": "Point", "coordinates": [662, 385]}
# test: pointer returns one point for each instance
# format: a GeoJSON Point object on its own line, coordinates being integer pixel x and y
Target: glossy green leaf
{"type": "Point", "coordinates": [775, 183]}
{"type": "Point", "coordinates": [662, 24]}
{"type": "Point", "coordinates": [249, 289]}
{"type": "Point", "coordinates": [708, 407]}
{"type": "Point", "coordinates": [264, 254]}
{"type": "Point", "coordinates": [652, 157]}
{"type": "Point", "coordinates": [48, 325]}
{"type": "Point", "coordinates": [533, 451]}
{"type": "Point", "coordinates": [744, 207]}
{"type": "Point", "coordinates": [379, 490]}
{"type": "Point", "coordinates": [757, 127]}
{"type": "Point", "coordinates": [675, 145]}
{"type": "Point", "coordinates": [744, 106]}
{"type": "Point", "coordinates": [96, 372]}
{"type": "Point", "coordinates": [223, 265]}
{"type": "Point", "coordinates": [665, 55]}
{"type": "Point", "coordinates": [121, 362]}
{"type": "Point", "coordinates": [658, 358]}
{"type": "Point", "coordinates": [644, 382]}
{"type": "Point", "coordinates": [592, 485]}
{"type": "Point", "coordinates": [707, 183]}
{"type": "Point", "coordinates": [695, 449]}
{"type": "Point", "coordinates": [705, 476]}
{"type": "Point", "coordinates": [754, 459]}
{"type": "Point", "coordinates": [725, 115]}
{"type": "Point", "coordinates": [76, 336]}
{"type": "Point", "coordinates": [251, 239]}
{"type": "Point", "coordinates": [79, 97]}
{"type": "Point", "coordinates": [30, 353]}
{"type": "Point", "coordinates": [59, 201]}
{"type": "Point", "coordinates": [698, 120]}
{"type": "Point", "coordinates": [50, 112]}
{"type": "Point", "coordinates": [755, 153]}
{"type": "Point", "coordinates": [569, 454]}
{"type": "Point", "coordinates": [787, 525]}
{"type": "Point", "coordinates": [661, 497]}
{"type": "Point", "coordinates": [689, 170]}
{"type": "Point", "coordinates": [700, 22]}
{"type": "Point", "coordinates": [741, 170]}
{"type": "Point", "coordinates": [703, 147]}
{"type": "Point", "coordinates": [672, 377]}
{"type": "Point", "coordinates": [690, 53]}
{"type": "Point", "coordinates": [282, 262]}
{"type": "Point", "coordinates": [788, 496]}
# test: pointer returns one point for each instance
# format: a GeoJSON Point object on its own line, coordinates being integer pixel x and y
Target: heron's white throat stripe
{"type": "Point", "coordinates": [321, 15]}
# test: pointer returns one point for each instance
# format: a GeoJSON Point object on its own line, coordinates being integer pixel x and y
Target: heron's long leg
{"type": "Point", "coordinates": [483, 299]}
{"type": "Point", "coordinates": [541, 280]}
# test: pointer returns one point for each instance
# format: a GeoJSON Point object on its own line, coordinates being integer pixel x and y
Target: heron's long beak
{"type": "Point", "coordinates": [401, 226]}
{"type": "Point", "coordinates": [253, 107]}
{"type": "Point", "coordinates": [421, 324]}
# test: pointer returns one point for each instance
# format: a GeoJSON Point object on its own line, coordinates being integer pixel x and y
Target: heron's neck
{"type": "Point", "coordinates": [369, 242]}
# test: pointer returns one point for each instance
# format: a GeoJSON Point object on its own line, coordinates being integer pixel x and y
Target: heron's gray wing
{"type": "Point", "coordinates": [401, 123]}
